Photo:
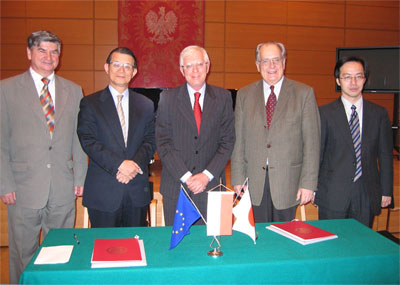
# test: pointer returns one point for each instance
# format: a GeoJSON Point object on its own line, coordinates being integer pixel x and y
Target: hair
{"type": "Point", "coordinates": [123, 50]}
{"type": "Point", "coordinates": [344, 60]}
{"type": "Point", "coordinates": [190, 49]}
{"type": "Point", "coordinates": [37, 37]}
{"type": "Point", "coordinates": [281, 46]}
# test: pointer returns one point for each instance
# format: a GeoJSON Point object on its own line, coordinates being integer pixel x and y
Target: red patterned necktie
{"type": "Point", "coordinates": [270, 107]}
{"type": "Point", "coordinates": [197, 111]}
{"type": "Point", "coordinates": [47, 105]}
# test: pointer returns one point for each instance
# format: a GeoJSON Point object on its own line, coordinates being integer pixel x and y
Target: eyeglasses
{"type": "Point", "coordinates": [348, 78]}
{"type": "Point", "coordinates": [190, 66]}
{"type": "Point", "coordinates": [274, 60]}
{"type": "Point", "coordinates": [117, 65]}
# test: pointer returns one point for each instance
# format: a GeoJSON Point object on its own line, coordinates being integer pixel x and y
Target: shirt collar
{"type": "Point", "coordinates": [37, 77]}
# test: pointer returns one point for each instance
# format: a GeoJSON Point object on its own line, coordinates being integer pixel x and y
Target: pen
{"type": "Point", "coordinates": [76, 238]}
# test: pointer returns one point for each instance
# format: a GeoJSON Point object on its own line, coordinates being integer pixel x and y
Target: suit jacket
{"type": "Point", "coordinates": [31, 162]}
{"type": "Point", "coordinates": [291, 145]}
{"type": "Point", "coordinates": [100, 134]}
{"type": "Point", "coordinates": [338, 156]}
{"type": "Point", "coordinates": [181, 148]}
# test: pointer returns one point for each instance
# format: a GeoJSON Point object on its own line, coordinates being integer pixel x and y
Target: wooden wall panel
{"type": "Point", "coordinates": [13, 8]}
{"type": "Point", "coordinates": [249, 36]}
{"type": "Point", "coordinates": [216, 56]}
{"type": "Point", "coordinates": [214, 11]}
{"type": "Point", "coordinates": [100, 80]}
{"type": "Point", "coordinates": [315, 14]}
{"type": "Point", "coordinates": [82, 29]}
{"type": "Point", "coordinates": [106, 32]}
{"type": "Point", "coordinates": [323, 85]}
{"type": "Point", "coordinates": [216, 78]}
{"type": "Point", "coordinates": [240, 60]}
{"type": "Point", "coordinates": [13, 31]}
{"type": "Point", "coordinates": [260, 12]}
{"type": "Point", "coordinates": [377, 3]}
{"type": "Point", "coordinates": [13, 57]}
{"type": "Point", "coordinates": [77, 57]}
{"type": "Point", "coordinates": [59, 9]}
{"type": "Point", "coordinates": [313, 38]}
{"type": "Point", "coordinates": [215, 35]}
{"type": "Point", "coordinates": [238, 80]}
{"type": "Point", "coordinates": [372, 17]}
{"type": "Point", "coordinates": [356, 37]}
{"type": "Point", "coordinates": [100, 56]}
{"type": "Point", "coordinates": [82, 78]}
{"type": "Point", "coordinates": [106, 9]}
{"type": "Point", "coordinates": [310, 62]}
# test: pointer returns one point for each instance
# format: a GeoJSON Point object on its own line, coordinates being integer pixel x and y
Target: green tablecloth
{"type": "Point", "coordinates": [359, 255]}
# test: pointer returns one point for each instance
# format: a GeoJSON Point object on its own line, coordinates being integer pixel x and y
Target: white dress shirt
{"type": "Point", "coordinates": [37, 79]}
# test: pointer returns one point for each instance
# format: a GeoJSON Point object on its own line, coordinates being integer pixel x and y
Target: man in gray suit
{"type": "Point", "coordinates": [42, 164]}
{"type": "Point", "coordinates": [356, 171]}
{"type": "Point", "coordinates": [194, 133]}
{"type": "Point", "coordinates": [277, 139]}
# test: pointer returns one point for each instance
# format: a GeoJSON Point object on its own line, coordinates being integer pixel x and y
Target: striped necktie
{"type": "Point", "coordinates": [121, 117]}
{"type": "Point", "coordinates": [354, 124]}
{"type": "Point", "coordinates": [47, 105]}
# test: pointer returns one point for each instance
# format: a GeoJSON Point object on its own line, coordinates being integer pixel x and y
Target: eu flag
{"type": "Point", "coordinates": [185, 215]}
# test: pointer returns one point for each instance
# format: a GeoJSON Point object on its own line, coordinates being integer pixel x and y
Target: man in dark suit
{"type": "Point", "coordinates": [277, 139]}
{"type": "Point", "coordinates": [195, 133]}
{"type": "Point", "coordinates": [356, 170]}
{"type": "Point", "coordinates": [116, 130]}
{"type": "Point", "coordinates": [43, 166]}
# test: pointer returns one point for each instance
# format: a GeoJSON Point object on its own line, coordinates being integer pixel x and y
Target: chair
{"type": "Point", "coordinates": [303, 213]}
{"type": "Point", "coordinates": [85, 218]}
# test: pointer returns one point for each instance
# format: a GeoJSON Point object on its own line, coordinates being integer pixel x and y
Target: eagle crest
{"type": "Point", "coordinates": [161, 26]}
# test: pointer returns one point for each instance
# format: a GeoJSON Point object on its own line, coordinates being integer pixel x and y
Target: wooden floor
{"type": "Point", "coordinates": [155, 173]}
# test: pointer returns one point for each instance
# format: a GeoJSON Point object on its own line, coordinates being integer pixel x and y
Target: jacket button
{"type": "Point", "coordinates": [264, 168]}
{"type": "Point", "coordinates": [193, 169]}
{"type": "Point", "coordinates": [50, 148]}
{"type": "Point", "coordinates": [195, 137]}
{"type": "Point", "coordinates": [268, 146]}
{"type": "Point", "coordinates": [197, 151]}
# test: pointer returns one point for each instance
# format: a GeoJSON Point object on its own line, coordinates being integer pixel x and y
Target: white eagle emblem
{"type": "Point", "coordinates": [161, 26]}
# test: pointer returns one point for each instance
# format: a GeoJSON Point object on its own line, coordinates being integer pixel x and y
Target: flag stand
{"type": "Point", "coordinates": [216, 252]}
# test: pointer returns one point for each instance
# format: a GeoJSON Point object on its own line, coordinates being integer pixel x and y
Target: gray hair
{"type": "Point", "coordinates": [37, 37]}
{"type": "Point", "coordinates": [189, 49]}
{"type": "Point", "coordinates": [278, 44]}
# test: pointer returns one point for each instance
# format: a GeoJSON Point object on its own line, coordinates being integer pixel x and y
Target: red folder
{"type": "Point", "coordinates": [118, 253]}
{"type": "Point", "coordinates": [302, 232]}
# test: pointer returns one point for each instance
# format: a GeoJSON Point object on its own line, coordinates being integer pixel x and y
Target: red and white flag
{"type": "Point", "coordinates": [219, 213]}
{"type": "Point", "coordinates": [243, 213]}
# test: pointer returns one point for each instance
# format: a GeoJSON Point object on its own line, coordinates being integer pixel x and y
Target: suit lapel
{"type": "Point", "coordinates": [107, 107]}
{"type": "Point", "coordinates": [284, 96]}
{"type": "Point", "coordinates": [185, 106]}
{"type": "Point", "coordinates": [61, 99]}
{"type": "Point", "coordinates": [367, 123]}
{"type": "Point", "coordinates": [134, 116]}
{"type": "Point", "coordinates": [209, 106]}
{"type": "Point", "coordinates": [341, 122]}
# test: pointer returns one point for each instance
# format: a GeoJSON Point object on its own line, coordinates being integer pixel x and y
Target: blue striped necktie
{"type": "Point", "coordinates": [354, 124]}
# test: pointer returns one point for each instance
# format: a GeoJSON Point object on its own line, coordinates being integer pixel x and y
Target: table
{"type": "Point", "coordinates": [359, 255]}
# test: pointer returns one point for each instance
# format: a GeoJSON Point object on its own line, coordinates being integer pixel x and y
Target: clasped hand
{"type": "Point", "coordinates": [127, 171]}
{"type": "Point", "coordinates": [197, 183]}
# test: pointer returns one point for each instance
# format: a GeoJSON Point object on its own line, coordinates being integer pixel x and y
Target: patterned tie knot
{"type": "Point", "coordinates": [120, 98]}
{"type": "Point", "coordinates": [197, 96]}
{"type": "Point", "coordinates": [272, 88]}
{"type": "Point", "coordinates": [353, 107]}
{"type": "Point", "coordinates": [45, 80]}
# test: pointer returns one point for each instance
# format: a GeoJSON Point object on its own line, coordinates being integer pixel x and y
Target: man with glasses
{"type": "Point", "coordinates": [277, 139]}
{"type": "Point", "coordinates": [116, 130]}
{"type": "Point", "coordinates": [43, 166]}
{"type": "Point", "coordinates": [356, 170]}
{"type": "Point", "coordinates": [195, 134]}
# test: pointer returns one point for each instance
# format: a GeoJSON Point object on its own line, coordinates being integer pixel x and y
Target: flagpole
{"type": "Point", "coordinates": [244, 183]}
{"type": "Point", "coordinates": [187, 195]}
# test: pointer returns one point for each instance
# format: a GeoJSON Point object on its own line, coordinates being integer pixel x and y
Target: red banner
{"type": "Point", "coordinates": [156, 32]}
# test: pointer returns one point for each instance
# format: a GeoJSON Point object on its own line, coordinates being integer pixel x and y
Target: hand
{"type": "Point", "coordinates": [197, 183]}
{"type": "Point", "coordinates": [129, 168]}
{"type": "Point", "coordinates": [123, 178]}
{"type": "Point", "coordinates": [386, 201]}
{"type": "Point", "coordinates": [78, 191]}
{"type": "Point", "coordinates": [9, 198]}
{"type": "Point", "coordinates": [304, 195]}
{"type": "Point", "coordinates": [238, 190]}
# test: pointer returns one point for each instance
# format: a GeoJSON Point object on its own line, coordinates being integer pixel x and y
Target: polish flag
{"type": "Point", "coordinates": [219, 213]}
{"type": "Point", "coordinates": [243, 213]}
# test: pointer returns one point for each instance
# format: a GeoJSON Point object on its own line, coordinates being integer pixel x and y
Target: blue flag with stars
{"type": "Point", "coordinates": [185, 215]}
